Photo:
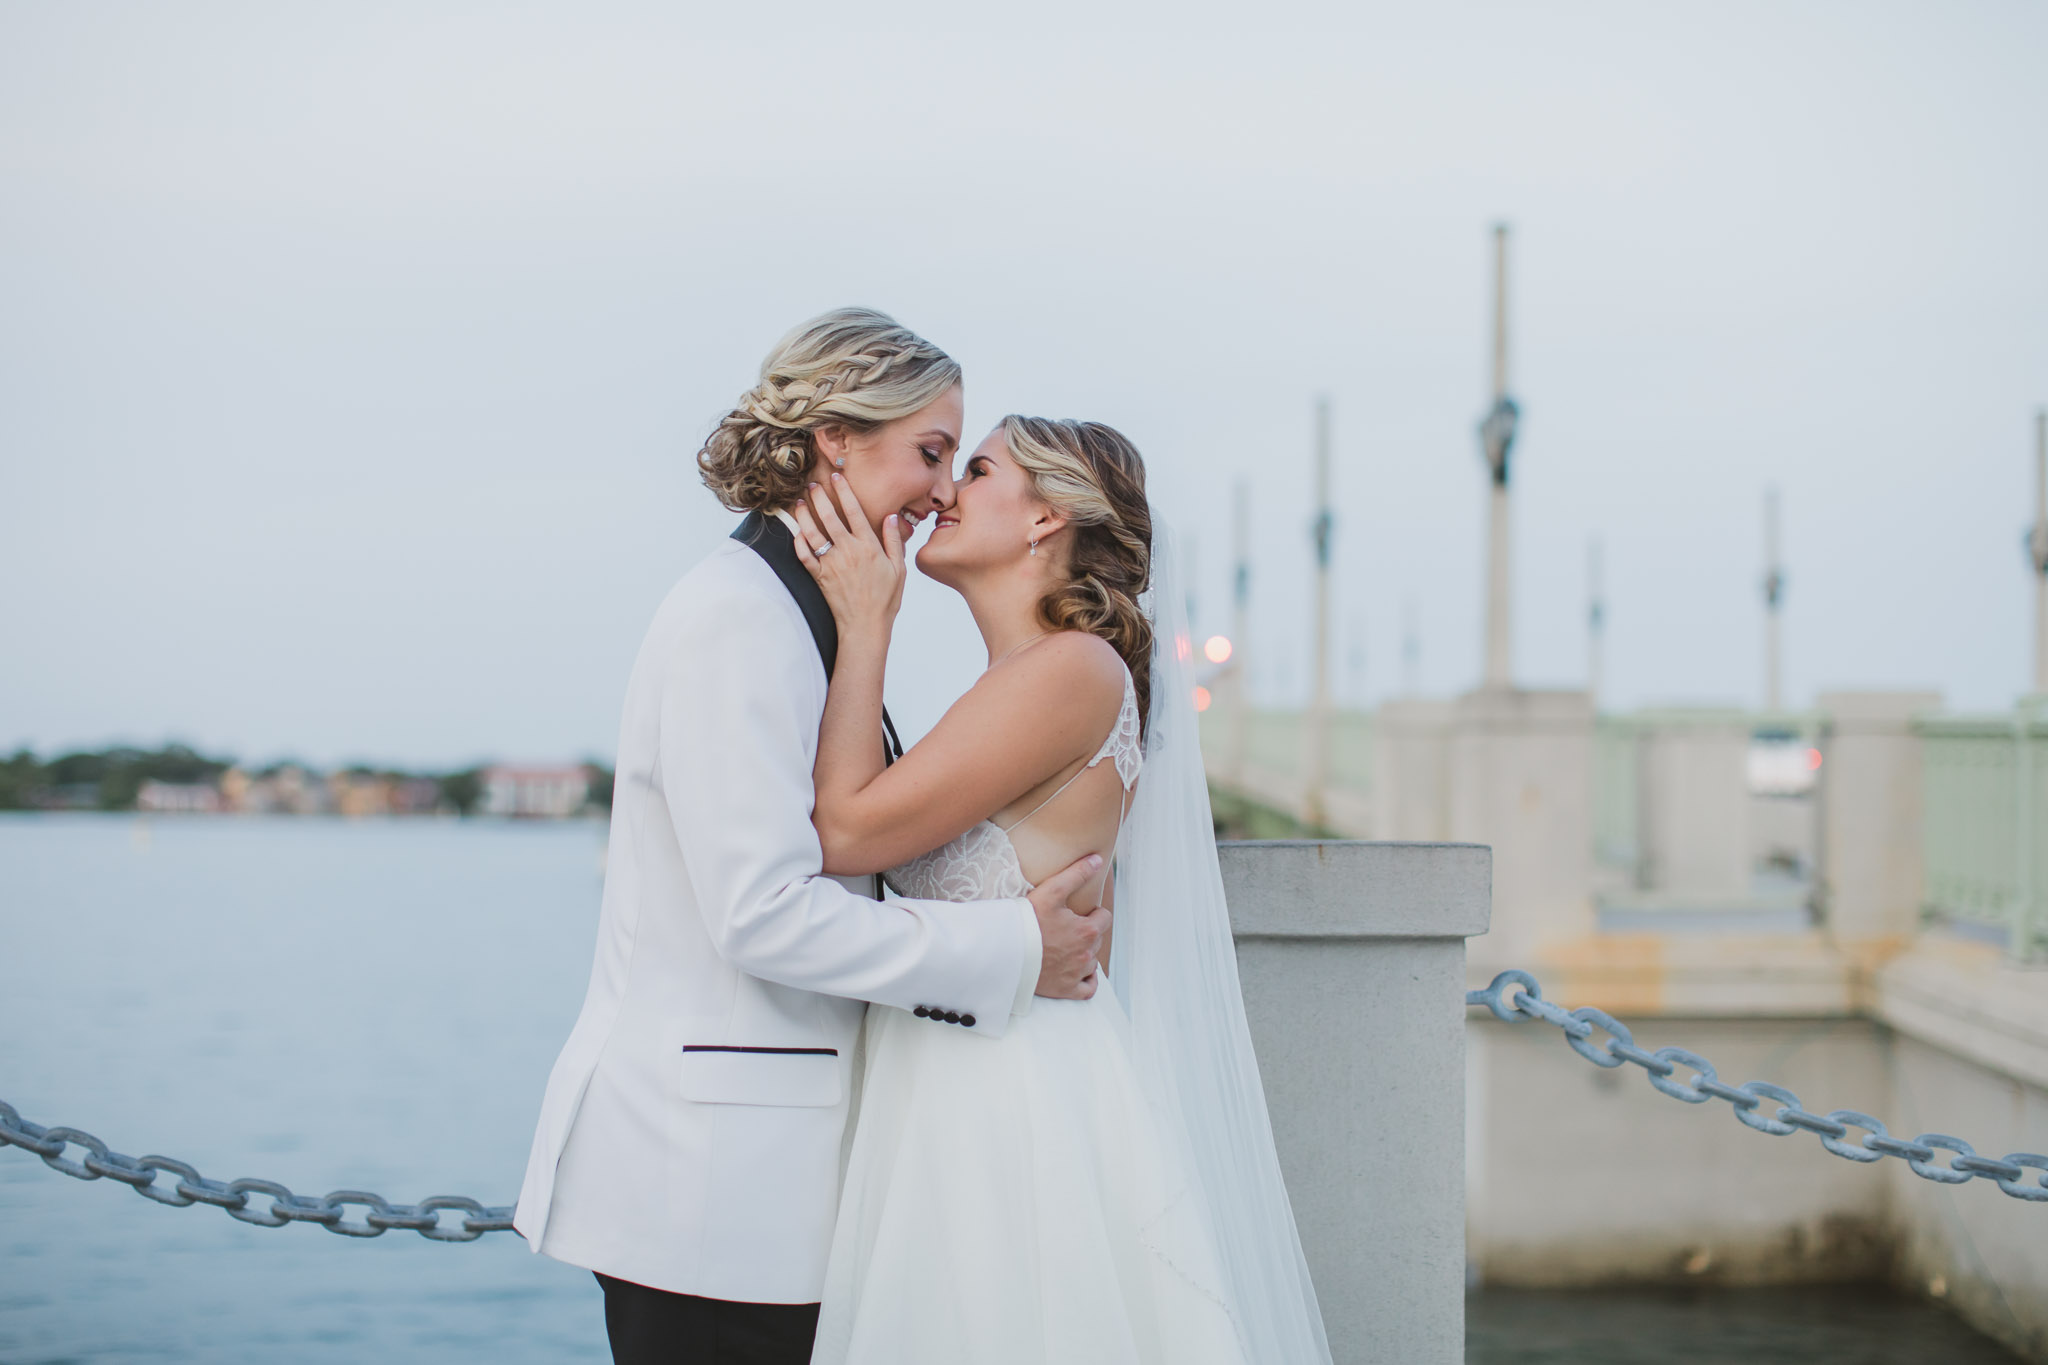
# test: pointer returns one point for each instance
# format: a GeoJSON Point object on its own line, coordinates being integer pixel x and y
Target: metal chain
{"type": "Point", "coordinates": [2010, 1172]}
{"type": "Point", "coordinates": [329, 1211]}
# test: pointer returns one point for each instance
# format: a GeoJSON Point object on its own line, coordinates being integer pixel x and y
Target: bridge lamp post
{"type": "Point", "coordinates": [1316, 734]}
{"type": "Point", "coordinates": [1496, 441]}
{"type": "Point", "coordinates": [1774, 601]}
{"type": "Point", "coordinates": [2037, 552]}
{"type": "Point", "coordinates": [1239, 678]}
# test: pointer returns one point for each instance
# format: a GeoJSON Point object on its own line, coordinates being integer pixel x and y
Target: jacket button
{"type": "Point", "coordinates": [952, 1016]}
{"type": "Point", "coordinates": [921, 1012]}
{"type": "Point", "coordinates": [968, 1020]}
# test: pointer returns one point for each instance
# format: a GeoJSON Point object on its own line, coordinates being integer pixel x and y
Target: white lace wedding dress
{"type": "Point", "coordinates": [1012, 1201]}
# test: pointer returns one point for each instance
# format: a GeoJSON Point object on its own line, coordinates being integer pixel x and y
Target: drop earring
{"type": "Point", "coordinates": [1034, 547]}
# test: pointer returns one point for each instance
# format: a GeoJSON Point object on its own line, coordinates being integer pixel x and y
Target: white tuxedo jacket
{"type": "Point", "coordinates": [690, 1135]}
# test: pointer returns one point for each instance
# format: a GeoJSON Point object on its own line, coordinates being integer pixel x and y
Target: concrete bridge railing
{"type": "Point", "coordinates": [1352, 957]}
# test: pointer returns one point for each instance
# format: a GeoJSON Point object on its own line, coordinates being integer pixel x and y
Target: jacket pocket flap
{"type": "Point", "coordinates": [805, 1076]}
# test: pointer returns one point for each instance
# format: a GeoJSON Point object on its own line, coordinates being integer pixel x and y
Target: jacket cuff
{"type": "Point", "coordinates": [1034, 955]}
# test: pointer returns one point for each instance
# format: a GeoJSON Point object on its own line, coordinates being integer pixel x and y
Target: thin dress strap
{"type": "Point", "coordinates": [1123, 745]}
{"type": "Point", "coordinates": [1043, 804]}
{"type": "Point", "coordinates": [1121, 738]}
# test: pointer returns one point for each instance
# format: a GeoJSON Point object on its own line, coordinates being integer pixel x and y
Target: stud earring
{"type": "Point", "coordinates": [839, 463]}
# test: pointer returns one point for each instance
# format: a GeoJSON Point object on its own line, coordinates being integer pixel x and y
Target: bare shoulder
{"type": "Point", "coordinates": [1070, 674]}
{"type": "Point", "coordinates": [1074, 658]}
{"type": "Point", "coordinates": [1034, 713]}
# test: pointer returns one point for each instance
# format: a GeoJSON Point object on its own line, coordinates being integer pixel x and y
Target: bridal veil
{"type": "Point", "coordinates": [1174, 965]}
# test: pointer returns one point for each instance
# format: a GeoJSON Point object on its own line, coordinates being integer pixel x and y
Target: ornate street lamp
{"type": "Point", "coordinates": [1497, 437]}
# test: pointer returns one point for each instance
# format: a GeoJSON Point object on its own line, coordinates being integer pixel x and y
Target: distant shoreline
{"type": "Point", "coordinates": [177, 779]}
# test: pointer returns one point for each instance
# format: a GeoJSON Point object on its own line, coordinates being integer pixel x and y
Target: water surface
{"type": "Point", "coordinates": [1809, 1325]}
{"type": "Point", "coordinates": [332, 1005]}
{"type": "Point", "coordinates": [375, 1005]}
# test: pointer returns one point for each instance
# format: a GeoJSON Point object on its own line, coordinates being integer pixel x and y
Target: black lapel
{"type": "Point", "coordinates": [767, 537]}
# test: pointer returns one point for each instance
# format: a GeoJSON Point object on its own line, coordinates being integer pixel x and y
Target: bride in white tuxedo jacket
{"type": "Point", "coordinates": [690, 1138]}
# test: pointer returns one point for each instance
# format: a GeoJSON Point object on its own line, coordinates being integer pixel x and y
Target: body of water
{"type": "Point", "coordinates": [375, 1005]}
{"type": "Point", "coordinates": [1806, 1325]}
{"type": "Point", "coordinates": [332, 1005]}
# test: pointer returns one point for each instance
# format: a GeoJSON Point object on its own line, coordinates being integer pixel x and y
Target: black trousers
{"type": "Point", "coordinates": [655, 1327]}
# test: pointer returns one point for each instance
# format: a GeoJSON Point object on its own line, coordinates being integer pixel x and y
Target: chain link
{"type": "Point", "coordinates": [1749, 1099]}
{"type": "Point", "coordinates": [242, 1198]}
{"type": "Point", "coordinates": [1512, 997]}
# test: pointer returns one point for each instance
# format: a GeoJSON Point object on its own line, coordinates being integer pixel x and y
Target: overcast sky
{"type": "Point", "coordinates": [352, 357]}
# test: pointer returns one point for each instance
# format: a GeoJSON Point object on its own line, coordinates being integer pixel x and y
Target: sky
{"type": "Point", "coordinates": [353, 356]}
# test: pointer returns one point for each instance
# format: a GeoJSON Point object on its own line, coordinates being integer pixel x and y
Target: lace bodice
{"type": "Point", "coordinates": [981, 864]}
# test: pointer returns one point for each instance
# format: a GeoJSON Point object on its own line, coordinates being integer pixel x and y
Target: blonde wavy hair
{"type": "Point", "coordinates": [852, 367]}
{"type": "Point", "coordinates": [1094, 477]}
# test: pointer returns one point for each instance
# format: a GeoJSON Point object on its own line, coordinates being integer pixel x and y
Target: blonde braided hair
{"type": "Point", "coordinates": [852, 367]}
{"type": "Point", "coordinates": [1094, 477]}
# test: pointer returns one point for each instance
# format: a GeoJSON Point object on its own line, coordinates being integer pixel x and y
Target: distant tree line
{"type": "Point", "coordinates": [111, 779]}
{"type": "Point", "coordinates": [103, 780]}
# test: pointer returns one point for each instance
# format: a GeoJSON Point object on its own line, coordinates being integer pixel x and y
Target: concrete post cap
{"type": "Point", "coordinates": [1342, 888]}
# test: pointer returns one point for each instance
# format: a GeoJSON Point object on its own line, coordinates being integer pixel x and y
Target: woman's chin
{"type": "Point", "coordinates": [932, 565]}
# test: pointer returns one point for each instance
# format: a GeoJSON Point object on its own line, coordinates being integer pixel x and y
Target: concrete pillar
{"type": "Point", "coordinates": [1352, 960]}
{"type": "Point", "coordinates": [1871, 871]}
{"type": "Point", "coordinates": [1692, 791]}
{"type": "Point", "coordinates": [1521, 780]}
{"type": "Point", "coordinates": [1411, 769]}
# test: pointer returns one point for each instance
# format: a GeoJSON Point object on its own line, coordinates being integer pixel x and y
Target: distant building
{"type": "Point", "coordinates": [286, 789]}
{"type": "Point", "coordinates": [538, 792]}
{"type": "Point", "coordinates": [415, 796]}
{"type": "Point", "coordinates": [1782, 767]}
{"type": "Point", "coordinates": [359, 794]}
{"type": "Point", "coordinates": [184, 797]}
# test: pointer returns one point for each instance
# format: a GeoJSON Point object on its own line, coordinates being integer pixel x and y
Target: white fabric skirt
{"type": "Point", "coordinates": [1012, 1201]}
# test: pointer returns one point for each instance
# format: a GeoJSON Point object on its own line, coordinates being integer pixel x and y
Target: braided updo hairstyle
{"type": "Point", "coordinates": [1094, 477]}
{"type": "Point", "coordinates": [852, 367]}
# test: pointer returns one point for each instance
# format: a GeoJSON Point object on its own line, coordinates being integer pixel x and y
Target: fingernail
{"type": "Point", "coordinates": [810, 485]}
{"type": "Point", "coordinates": [1095, 860]}
{"type": "Point", "coordinates": [839, 478]}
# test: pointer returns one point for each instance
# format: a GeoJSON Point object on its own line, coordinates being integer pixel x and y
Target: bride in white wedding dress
{"type": "Point", "coordinates": [1099, 1184]}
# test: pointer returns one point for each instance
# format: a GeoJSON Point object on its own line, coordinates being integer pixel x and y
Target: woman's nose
{"type": "Point", "coordinates": [943, 491]}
